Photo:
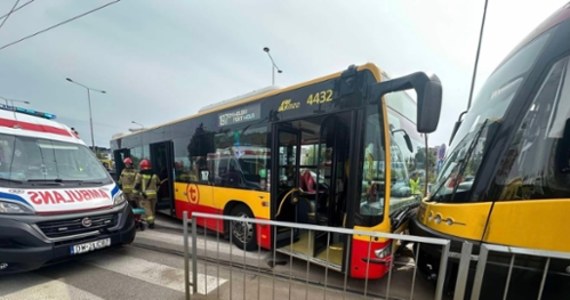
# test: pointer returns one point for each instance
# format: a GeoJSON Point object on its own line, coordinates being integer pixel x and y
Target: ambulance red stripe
{"type": "Point", "coordinates": [33, 127]}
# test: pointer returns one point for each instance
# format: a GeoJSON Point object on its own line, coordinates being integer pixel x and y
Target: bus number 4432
{"type": "Point", "coordinates": [320, 97]}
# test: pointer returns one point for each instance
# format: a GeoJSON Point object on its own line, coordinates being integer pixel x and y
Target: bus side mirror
{"type": "Point", "coordinates": [428, 91]}
{"type": "Point", "coordinates": [429, 104]}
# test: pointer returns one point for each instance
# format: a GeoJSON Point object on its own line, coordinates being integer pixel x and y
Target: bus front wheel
{"type": "Point", "coordinates": [243, 233]}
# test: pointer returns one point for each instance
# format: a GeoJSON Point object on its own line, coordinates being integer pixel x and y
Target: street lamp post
{"type": "Point", "coordinates": [273, 66]}
{"type": "Point", "coordinates": [137, 123]}
{"type": "Point", "coordinates": [89, 103]}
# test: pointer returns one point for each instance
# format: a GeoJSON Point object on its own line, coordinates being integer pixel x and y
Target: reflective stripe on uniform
{"type": "Point", "coordinates": [150, 184]}
{"type": "Point", "coordinates": [127, 180]}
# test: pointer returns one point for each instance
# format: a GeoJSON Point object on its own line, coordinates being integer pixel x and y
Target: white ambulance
{"type": "Point", "coordinates": [56, 199]}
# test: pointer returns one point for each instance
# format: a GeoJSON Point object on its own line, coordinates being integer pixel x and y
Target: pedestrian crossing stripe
{"type": "Point", "coordinates": [38, 287]}
{"type": "Point", "coordinates": [34, 286]}
{"type": "Point", "coordinates": [153, 273]}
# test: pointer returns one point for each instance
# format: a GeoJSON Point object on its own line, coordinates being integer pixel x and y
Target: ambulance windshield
{"type": "Point", "coordinates": [35, 160]}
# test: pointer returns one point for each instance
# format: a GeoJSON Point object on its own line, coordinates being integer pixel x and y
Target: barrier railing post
{"type": "Point", "coordinates": [194, 256]}
{"type": "Point", "coordinates": [543, 278]}
{"type": "Point", "coordinates": [186, 267]}
{"type": "Point", "coordinates": [463, 271]}
{"type": "Point", "coordinates": [415, 271]}
{"type": "Point", "coordinates": [442, 271]}
{"type": "Point", "coordinates": [291, 280]}
{"type": "Point", "coordinates": [481, 264]}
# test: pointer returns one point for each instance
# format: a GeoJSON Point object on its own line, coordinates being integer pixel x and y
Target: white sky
{"type": "Point", "coordinates": [161, 60]}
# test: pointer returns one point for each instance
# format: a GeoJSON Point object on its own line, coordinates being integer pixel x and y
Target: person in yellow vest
{"type": "Point", "coordinates": [146, 185]}
{"type": "Point", "coordinates": [127, 181]}
{"type": "Point", "coordinates": [415, 184]}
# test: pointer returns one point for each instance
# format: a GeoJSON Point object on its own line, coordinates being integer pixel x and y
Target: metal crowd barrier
{"type": "Point", "coordinates": [523, 255]}
{"type": "Point", "coordinates": [243, 275]}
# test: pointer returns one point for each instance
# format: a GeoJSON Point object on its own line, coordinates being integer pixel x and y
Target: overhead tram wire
{"type": "Point", "coordinates": [9, 13]}
{"type": "Point", "coordinates": [58, 24]}
{"type": "Point", "coordinates": [17, 9]}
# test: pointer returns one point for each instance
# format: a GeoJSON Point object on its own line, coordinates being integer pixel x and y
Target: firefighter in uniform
{"type": "Point", "coordinates": [127, 181]}
{"type": "Point", "coordinates": [146, 185]}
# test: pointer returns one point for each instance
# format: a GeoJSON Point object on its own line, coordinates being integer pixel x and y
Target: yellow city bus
{"type": "Point", "coordinates": [506, 177]}
{"type": "Point", "coordinates": [323, 141]}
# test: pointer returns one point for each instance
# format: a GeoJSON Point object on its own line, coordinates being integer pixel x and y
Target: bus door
{"type": "Point", "coordinates": [332, 179]}
{"type": "Point", "coordinates": [310, 159]}
{"type": "Point", "coordinates": [161, 155]}
{"type": "Point", "coordinates": [285, 179]}
{"type": "Point", "coordinates": [119, 156]}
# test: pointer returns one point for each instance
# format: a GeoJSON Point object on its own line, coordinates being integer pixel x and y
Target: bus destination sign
{"type": "Point", "coordinates": [240, 115]}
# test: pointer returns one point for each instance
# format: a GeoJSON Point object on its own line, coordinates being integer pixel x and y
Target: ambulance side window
{"type": "Point", "coordinates": [6, 154]}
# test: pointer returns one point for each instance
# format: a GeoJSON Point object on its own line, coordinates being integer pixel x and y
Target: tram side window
{"type": "Point", "coordinates": [241, 158]}
{"type": "Point", "coordinates": [537, 164]}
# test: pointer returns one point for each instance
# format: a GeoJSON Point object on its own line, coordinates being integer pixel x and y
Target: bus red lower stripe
{"type": "Point", "coordinates": [263, 231]}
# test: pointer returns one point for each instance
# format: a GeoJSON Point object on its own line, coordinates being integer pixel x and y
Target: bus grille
{"type": "Point", "coordinates": [75, 226]}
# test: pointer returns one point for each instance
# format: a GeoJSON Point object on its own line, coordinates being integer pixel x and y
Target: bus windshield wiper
{"type": "Point", "coordinates": [462, 163]}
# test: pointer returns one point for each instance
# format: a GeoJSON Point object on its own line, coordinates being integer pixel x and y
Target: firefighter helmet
{"type": "Point", "coordinates": [145, 164]}
{"type": "Point", "coordinates": [128, 161]}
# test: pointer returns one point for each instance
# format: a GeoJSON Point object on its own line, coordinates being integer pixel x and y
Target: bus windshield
{"type": "Point", "coordinates": [467, 150]}
{"type": "Point", "coordinates": [28, 160]}
{"type": "Point", "coordinates": [407, 151]}
{"type": "Point", "coordinates": [407, 159]}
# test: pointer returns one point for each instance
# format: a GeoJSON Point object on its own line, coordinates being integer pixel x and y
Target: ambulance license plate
{"type": "Point", "coordinates": [90, 246]}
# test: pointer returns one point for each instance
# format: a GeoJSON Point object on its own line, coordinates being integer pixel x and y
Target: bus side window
{"type": "Point", "coordinates": [233, 175]}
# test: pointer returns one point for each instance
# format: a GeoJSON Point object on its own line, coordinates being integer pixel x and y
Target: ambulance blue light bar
{"type": "Point", "coordinates": [28, 111]}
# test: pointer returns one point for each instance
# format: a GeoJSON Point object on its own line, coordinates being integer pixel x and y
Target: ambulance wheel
{"type": "Point", "coordinates": [242, 233]}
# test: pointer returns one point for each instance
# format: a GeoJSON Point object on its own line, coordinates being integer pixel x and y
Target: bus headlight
{"type": "Point", "coordinates": [384, 252]}
{"type": "Point", "coordinates": [119, 199]}
{"type": "Point", "coordinates": [14, 208]}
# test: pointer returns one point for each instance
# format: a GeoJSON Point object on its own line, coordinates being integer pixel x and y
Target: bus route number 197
{"type": "Point", "coordinates": [320, 97]}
